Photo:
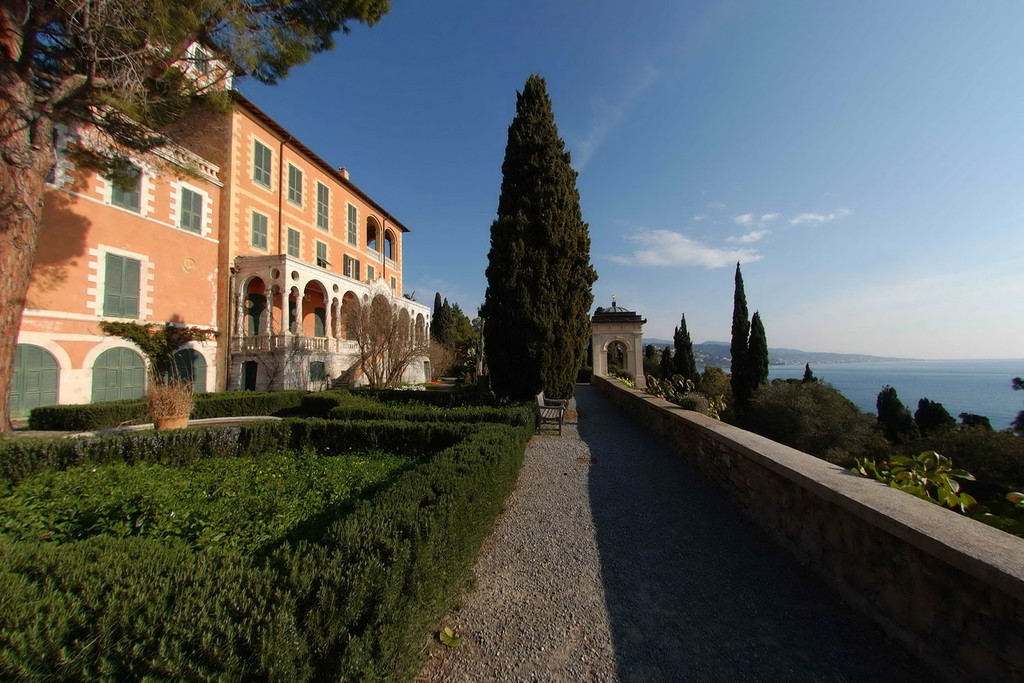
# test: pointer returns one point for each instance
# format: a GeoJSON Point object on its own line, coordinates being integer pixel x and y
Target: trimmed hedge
{"type": "Point", "coordinates": [353, 604]}
{"type": "Point", "coordinates": [523, 415]}
{"type": "Point", "coordinates": [106, 415]}
{"type": "Point", "coordinates": [461, 395]}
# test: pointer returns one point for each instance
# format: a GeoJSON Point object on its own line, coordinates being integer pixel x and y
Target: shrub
{"type": "Point", "coordinates": [583, 376]}
{"type": "Point", "coordinates": [353, 602]}
{"type": "Point", "coordinates": [815, 418]}
{"type": "Point", "coordinates": [109, 414]}
{"type": "Point", "coordinates": [459, 395]}
{"type": "Point", "coordinates": [523, 415]}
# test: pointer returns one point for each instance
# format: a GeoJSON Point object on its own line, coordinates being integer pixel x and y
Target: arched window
{"type": "Point", "coordinates": [372, 233]}
{"type": "Point", "coordinates": [390, 247]}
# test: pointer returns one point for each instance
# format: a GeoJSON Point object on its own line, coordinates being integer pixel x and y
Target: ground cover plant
{"type": "Point", "coordinates": [244, 504]}
{"type": "Point", "coordinates": [345, 597]}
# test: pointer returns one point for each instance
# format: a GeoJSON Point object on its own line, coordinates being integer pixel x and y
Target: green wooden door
{"type": "Point", "coordinates": [191, 366]}
{"type": "Point", "coordinates": [117, 374]}
{"type": "Point", "coordinates": [255, 313]}
{"type": "Point", "coordinates": [36, 374]}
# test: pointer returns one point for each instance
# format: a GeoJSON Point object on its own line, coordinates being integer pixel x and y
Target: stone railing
{"type": "Point", "coordinates": [288, 342]}
{"type": "Point", "coordinates": [949, 588]}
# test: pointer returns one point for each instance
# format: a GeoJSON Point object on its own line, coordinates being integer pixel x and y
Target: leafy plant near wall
{"type": "Point", "coordinates": [683, 392]}
{"type": "Point", "coordinates": [928, 475]}
{"type": "Point", "coordinates": [157, 343]}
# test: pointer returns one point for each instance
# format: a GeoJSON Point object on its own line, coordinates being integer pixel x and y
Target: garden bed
{"type": "Point", "coordinates": [343, 586]}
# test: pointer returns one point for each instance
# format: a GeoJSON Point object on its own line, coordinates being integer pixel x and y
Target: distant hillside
{"type": "Point", "coordinates": [717, 354]}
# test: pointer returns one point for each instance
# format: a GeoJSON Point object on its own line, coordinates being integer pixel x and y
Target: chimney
{"type": "Point", "coordinates": [343, 171]}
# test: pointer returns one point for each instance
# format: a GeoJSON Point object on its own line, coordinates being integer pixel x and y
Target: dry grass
{"type": "Point", "coordinates": [170, 399]}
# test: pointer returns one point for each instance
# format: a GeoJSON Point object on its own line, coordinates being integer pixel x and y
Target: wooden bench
{"type": "Point", "coordinates": [550, 411]}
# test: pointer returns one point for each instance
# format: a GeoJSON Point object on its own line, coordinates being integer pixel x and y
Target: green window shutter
{"type": "Point", "coordinates": [323, 204]}
{"type": "Point", "coordinates": [294, 242]}
{"type": "Point", "coordinates": [294, 185]}
{"type": "Point", "coordinates": [121, 287]}
{"type": "Point", "coordinates": [353, 226]}
{"type": "Point", "coordinates": [357, 270]}
{"type": "Point", "coordinates": [261, 164]}
{"type": "Point", "coordinates": [191, 211]}
{"type": "Point", "coordinates": [127, 197]}
{"type": "Point", "coordinates": [112, 285]}
{"type": "Point", "coordinates": [259, 231]}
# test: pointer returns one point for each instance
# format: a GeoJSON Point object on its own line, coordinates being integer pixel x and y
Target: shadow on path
{"type": "Point", "coordinates": [696, 592]}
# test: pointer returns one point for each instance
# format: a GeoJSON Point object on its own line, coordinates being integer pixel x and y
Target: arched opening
{"type": "Point", "coordinates": [421, 330]}
{"type": "Point", "coordinates": [36, 377]}
{"type": "Point", "coordinates": [314, 310]}
{"type": "Point", "coordinates": [118, 374]}
{"type": "Point", "coordinates": [390, 246]}
{"type": "Point", "coordinates": [372, 233]}
{"type": "Point", "coordinates": [190, 366]}
{"type": "Point", "coordinates": [255, 309]}
{"type": "Point", "coordinates": [349, 308]}
{"type": "Point", "coordinates": [618, 358]}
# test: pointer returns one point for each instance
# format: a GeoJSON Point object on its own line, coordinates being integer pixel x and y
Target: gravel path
{"type": "Point", "coordinates": [615, 561]}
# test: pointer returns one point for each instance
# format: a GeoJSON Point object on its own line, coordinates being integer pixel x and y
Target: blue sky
{"type": "Point", "coordinates": [864, 161]}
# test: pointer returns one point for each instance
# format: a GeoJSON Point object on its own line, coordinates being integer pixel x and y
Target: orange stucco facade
{"type": "Point", "coordinates": [192, 242]}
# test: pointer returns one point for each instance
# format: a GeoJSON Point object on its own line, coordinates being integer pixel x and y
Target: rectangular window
{"type": "Point", "coordinates": [317, 371]}
{"type": "Point", "coordinates": [259, 231]}
{"type": "Point", "coordinates": [294, 242]}
{"type": "Point", "coordinates": [370, 273]}
{"type": "Point", "coordinates": [394, 284]}
{"type": "Point", "coordinates": [261, 164]}
{"type": "Point", "coordinates": [321, 254]}
{"type": "Point", "coordinates": [126, 192]}
{"type": "Point", "coordinates": [351, 267]}
{"type": "Point", "coordinates": [294, 185]}
{"type": "Point", "coordinates": [191, 211]}
{"type": "Point", "coordinates": [323, 206]}
{"type": "Point", "coordinates": [121, 286]}
{"type": "Point", "coordinates": [353, 225]}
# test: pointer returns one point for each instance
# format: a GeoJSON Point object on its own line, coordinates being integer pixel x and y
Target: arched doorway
{"type": "Point", "coordinates": [36, 376]}
{"type": "Point", "coordinates": [617, 356]}
{"type": "Point", "coordinates": [191, 367]}
{"type": "Point", "coordinates": [118, 374]}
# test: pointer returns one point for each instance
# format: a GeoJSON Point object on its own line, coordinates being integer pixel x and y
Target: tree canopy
{"type": "Point", "coordinates": [740, 337]}
{"type": "Point", "coordinates": [683, 359]}
{"type": "Point", "coordinates": [539, 274]}
{"type": "Point", "coordinates": [125, 70]}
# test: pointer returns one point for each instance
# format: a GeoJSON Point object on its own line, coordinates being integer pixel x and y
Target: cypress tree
{"type": "Point", "coordinates": [757, 355]}
{"type": "Point", "coordinates": [808, 375]}
{"type": "Point", "coordinates": [897, 422]}
{"type": "Point", "coordinates": [666, 367]}
{"type": "Point", "coordinates": [539, 275]}
{"type": "Point", "coordinates": [738, 347]}
{"type": "Point", "coordinates": [437, 320]}
{"type": "Point", "coordinates": [685, 363]}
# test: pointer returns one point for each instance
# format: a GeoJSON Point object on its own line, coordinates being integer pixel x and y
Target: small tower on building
{"type": "Point", "coordinates": [618, 332]}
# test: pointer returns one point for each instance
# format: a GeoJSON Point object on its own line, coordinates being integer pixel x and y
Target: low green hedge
{"type": "Point", "coordinates": [109, 414]}
{"type": "Point", "coordinates": [460, 395]}
{"type": "Point", "coordinates": [353, 604]}
{"type": "Point", "coordinates": [523, 415]}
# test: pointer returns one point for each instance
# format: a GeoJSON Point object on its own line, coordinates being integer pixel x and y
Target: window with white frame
{"type": "Point", "coordinates": [122, 277]}
{"type": "Point", "coordinates": [191, 218]}
{"type": "Point", "coordinates": [353, 224]}
{"type": "Point", "coordinates": [351, 267]}
{"type": "Point", "coordinates": [370, 273]}
{"type": "Point", "coordinates": [294, 185]}
{"type": "Point", "coordinates": [294, 243]}
{"type": "Point", "coordinates": [261, 164]}
{"type": "Point", "coordinates": [126, 190]}
{"type": "Point", "coordinates": [323, 206]}
{"type": "Point", "coordinates": [259, 231]}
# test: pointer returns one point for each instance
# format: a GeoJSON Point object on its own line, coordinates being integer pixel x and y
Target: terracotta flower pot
{"type": "Point", "coordinates": [171, 422]}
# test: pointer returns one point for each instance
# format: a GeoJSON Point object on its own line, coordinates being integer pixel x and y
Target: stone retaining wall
{"type": "Point", "coordinates": [950, 588]}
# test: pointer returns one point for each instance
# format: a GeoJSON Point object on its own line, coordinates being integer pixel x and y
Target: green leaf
{"type": "Point", "coordinates": [449, 637]}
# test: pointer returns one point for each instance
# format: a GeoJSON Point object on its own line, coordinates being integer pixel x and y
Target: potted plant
{"type": "Point", "coordinates": [170, 396]}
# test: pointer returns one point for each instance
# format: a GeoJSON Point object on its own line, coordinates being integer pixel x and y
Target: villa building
{"type": "Point", "coordinates": [242, 230]}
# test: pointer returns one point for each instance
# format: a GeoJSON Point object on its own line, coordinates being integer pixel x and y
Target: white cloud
{"type": "Point", "coordinates": [819, 218]}
{"type": "Point", "coordinates": [700, 217]}
{"type": "Point", "coordinates": [608, 114]}
{"type": "Point", "coordinates": [745, 219]}
{"type": "Point", "coordinates": [749, 238]}
{"type": "Point", "coordinates": [769, 217]}
{"type": "Point", "coordinates": [669, 248]}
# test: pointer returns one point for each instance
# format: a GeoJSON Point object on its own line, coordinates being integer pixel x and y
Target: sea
{"type": "Point", "coordinates": [982, 387]}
